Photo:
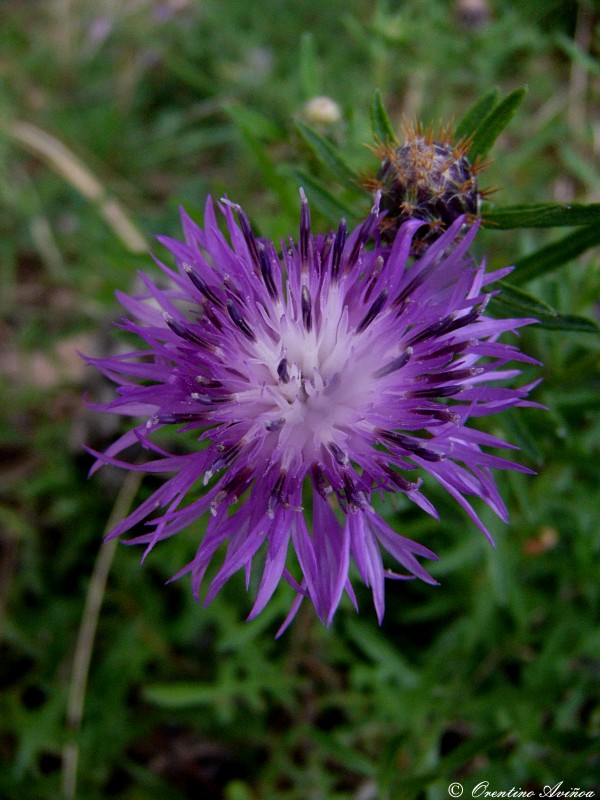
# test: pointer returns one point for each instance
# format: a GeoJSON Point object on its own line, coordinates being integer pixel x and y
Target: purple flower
{"type": "Point", "coordinates": [311, 379]}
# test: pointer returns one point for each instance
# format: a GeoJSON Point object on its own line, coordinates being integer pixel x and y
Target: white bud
{"type": "Point", "coordinates": [322, 111]}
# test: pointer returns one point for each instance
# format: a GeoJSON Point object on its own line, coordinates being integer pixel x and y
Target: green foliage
{"type": "Point", "coordinates": [494, 122]}
{"type": "Point", "coordinates": [493, 675]}
{"type": "Point", "coordinates": [380, 121]}
{"type": "Point", "coordinates": [544, 215]}
{"type": "Point", "coordinates": [477, 113]}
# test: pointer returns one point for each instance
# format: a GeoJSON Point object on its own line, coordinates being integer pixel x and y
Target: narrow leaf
{"type": "Point", "coordinates": [380, 121]}
{"type": "Point", "coordinates": [182, 695]}
{"type": "Point", "coordinates": [514, 301]}
{"type": "Point", "coordinates": [520, 434]}
{"type": "Point", "coordinates": [542, 215]}
{"type": "Point", "coordinates": [326, 153]}
{"type": "Point", "coordinates": [577, 54]}
{"type": "Point", "coordinates": [554, 255]}
{"type": "Point", "coordinates": [570, 322]}
{"type": "Point", "coordinates": [269, 170]}
{"type": "Point", "coordinates": [335, 749]}
{"type": "Point", "coordinates": [380, 651]}
{"type": "Point", "coordinates": [477, 113]}
{"type": "Point", "coordinates": [310, 77]}
{"type": "Point", "coordinates": [255, 123]}
{"type": "Point", "coordinates": [494, 123]}
{"type": "Point", "coordinates": [331, 208]}
{"type": "Point", "coordinates": [517, 300]}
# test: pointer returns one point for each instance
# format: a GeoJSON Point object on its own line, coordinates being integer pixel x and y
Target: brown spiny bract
{"type": "Point", "coordinates": [428, 178]}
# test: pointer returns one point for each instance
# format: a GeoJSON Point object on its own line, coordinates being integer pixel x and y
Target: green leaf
{"type": "Point", "coordinates": [514, 301]}
{"type": "Point", "coordinates": [494, 123]}
{"type": "Point", "coordinates": [391, 663]}
{"type": "Point", "coordinates": [380, 121]}
{"type": "Point", "coordinates": [570, 322]}
{"type": "Point", "coordinates": [327, 154]}
{"type": "Point", "coordinates": [579, 56]}
{"type": "Point", "coordinates": [318, 194]}
{"type": "Point", "coordinates": [477, 113]}
{"type": "Point", "coordinates": [331, 745]}
{"type": "Point", "coordinates": [554, 255]}
{"type": "Point", "coordinates": [542, 215]}
{"type": "Point", "coordinates": [520, 434]}
{"type": "Point", "coordinates": [254, 123]}
{"type": "Point", "coordinates": [518, 301]}
{"type": "Point", "coordinates": [269, 170]}
{"type": "Point", "coordinates": [183, 695]}
{"type": "Point", "coordinates": [310, 74]}
{"type": "Point", "coordinates": [580, 168]}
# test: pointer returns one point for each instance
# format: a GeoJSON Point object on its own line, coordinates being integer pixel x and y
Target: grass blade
{"type": "Point", "coordinates": [543, 215]}
{"type": "Point", "coordinates": [514, 301]}
{"type": "Point", "coordinates": [380, 121]}
{"type": "Point", "coordinates": [326, 153]}
{"type": "Point", "coordinates": [310, 74]}
{"type": "Point", "coordinates": [494, 123]}
{"type": "Point", "coordinates": [556, 254]}
{"type": "Point", "coordinates": [331, 208]}
{"type": "Point", "coordinates": [477, 113]}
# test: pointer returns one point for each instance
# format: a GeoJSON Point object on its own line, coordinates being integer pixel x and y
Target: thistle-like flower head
{"type": "Point", "coordinates": [311, 378]}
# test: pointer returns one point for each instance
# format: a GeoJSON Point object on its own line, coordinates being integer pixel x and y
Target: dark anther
{"type": "Point", "coordinates": [435, 329]}
{"type": "Point", "coordinates": [448, 350]}
{"type": "Point", "coordinates": [325, 251]}
{"type": "Point", "coordinates": [232, 290]}
{"type": "Point", "coordinates": [306, 304]}
{"type": "Point", "coordinates": [442, 414]}
{"type": "Point", "coordinates": [439, 391]}
{"type": "Point", "coordinates": [274, 425]}
{"type": "Point", "coordinates": [210, 399]}
{"type": "Point", "coordinates": [237, 485]}
{"type": "Point", "coordinates": [338, 453]}
{"type": "Point", "coordinates": [466, 319]}
{"type": "Point", "coordinates": [226, 460]}
{"type": "Point", "coordinates": [202, 286]}
{"type": "Point", "coordinates": [183, 332]}
{"type": "Point", "coordinates": [411, 445]}
{"type": "Point", "coordinates": [446, 325]}
{"type": "Point", "coordinates": [276, 496]}
{"type": "Point", "coordinates": [395, 365]}
{"type": "Point", "coordinates": [338, 248]}
{"type": "Point", "coordinates": [374, 275]}
{"type": "Point", "coordinates": [364, 234]}
{"type": "Point", "coordinates": [282, 371]}
{"type": "Point", "coordinates": [319, 480]}
{"type": "Point", "coordinates": [372, 312]}
{"type": "Point", "coordinates": [238, 320]}
{"type": "Point", "coordinates": [211, 315]}
{"type": "Point", "coordinates": [352, 494]}
{"type": "Point", "coordinates": [304, 231]}
{"type": "Point", "coordinates": [248, 236]}
{"type": "Point", "coordinates": [177, 417]}
{"type": "Point", "coordinates": [401, 483]}
{"type": "Point", "coordinates": [209, 383]}
{"type": "Point", "coordinates": [267, 272]}
{"type": "Point", "coordinates": [427, 455]}
{"type": "Point", "coordinates": [453, 375]}
{"type": "Point", "coordinates": [413, 285]}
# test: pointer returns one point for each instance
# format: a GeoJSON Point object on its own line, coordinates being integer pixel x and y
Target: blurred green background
{"type": "Point", "coordinates": [111, 115]}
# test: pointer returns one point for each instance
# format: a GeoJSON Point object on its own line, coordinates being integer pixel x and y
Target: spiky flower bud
{"type": "Point", "coordinates": [428, 178]}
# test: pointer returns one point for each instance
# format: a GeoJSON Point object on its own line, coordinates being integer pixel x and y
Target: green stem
{"type": "Point", "coordinates": [87, 634]}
